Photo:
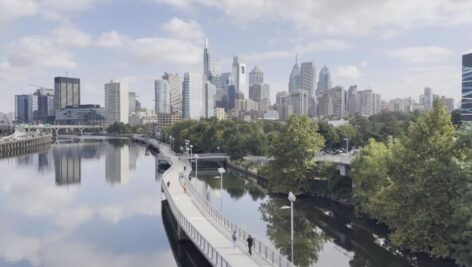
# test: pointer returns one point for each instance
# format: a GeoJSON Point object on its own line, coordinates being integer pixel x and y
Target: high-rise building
{"type": "Point", "coordinates": [226, 79]}
{"type": "Point", "coordinates": [260, 93]}
{"type": "Point", "coordinates": [210, 91]}
{"type": "Point", "coordinates": [299, 100]}
{"type": "Point", "coordinates": [211, 66]}
{"type": "Point", "coordinates": [192, 96]}
{"type": "Point", "coordinates": [231, 97]}
{"type": "Point", "coordinates": [325, 104]}
{"type": "Point", "coordinates": [132, 102]}
{"type": "Point", "coordinates": [240, 75]}
{"type": "Point", "coordinates": [256, 76]}
{"type": "Point", "coordinates": [466, 104]}
{"type": "Point", "coordinates": [324, 81]}
{"type": "Point", "coordinates": [366, 103]}
{"type": "Point", "coordinates": [351, 92]}
{"type": "Point", "coordinates": [23, 108]}
{"type": "Point", "coordinates": [282, 105]}
{"type": "Point", "coordinates": [162, 96]}
{"type": "Point", "coordinates": [175, 86]}
{"type": "Point", "coordinates": [66, 92]}
{"type": "Point", "coordinates": [138, 106]}
{"type": "Point", "coordinates": [43, 105]}
{"type": "Point", "coordinates": [116, 102]}
{"type": "Point", "coordinates": [294, 80]}
{"type": "Point", "coordinates": [308, 77]}
{"type": "Point", "coordinates": [338, 95]}
{"type": "Point", "coordinates": [427, 99]}
{"type": "Point", "coordinates": [450, 104]}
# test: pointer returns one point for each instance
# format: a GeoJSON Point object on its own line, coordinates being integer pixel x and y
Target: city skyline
{"type": "Point", "coordinates": [396, 59]}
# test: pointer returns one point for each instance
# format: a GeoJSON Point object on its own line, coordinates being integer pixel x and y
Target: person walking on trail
{"type": "Point", "coordinates": [250, 242]}
{"type": "Point", "coordinates": [234, 237]}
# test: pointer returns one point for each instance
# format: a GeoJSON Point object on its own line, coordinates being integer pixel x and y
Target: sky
{"type": "Point", "coordinates": [394, 47]}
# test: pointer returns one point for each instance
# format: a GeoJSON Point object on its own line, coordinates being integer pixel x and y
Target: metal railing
{"type": "Point", "coordinates": [198, 239]}
{"type": "Point", "coordinates": [266, 252]}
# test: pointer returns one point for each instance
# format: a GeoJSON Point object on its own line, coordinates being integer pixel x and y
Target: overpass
{"type": "Point", "coordinates": [57, 127]}
{"type": "Point", "coordinates": [204, 225]}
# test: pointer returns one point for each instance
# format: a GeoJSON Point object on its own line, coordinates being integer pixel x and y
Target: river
{"type": "Point", "coordinates": [99, 204]}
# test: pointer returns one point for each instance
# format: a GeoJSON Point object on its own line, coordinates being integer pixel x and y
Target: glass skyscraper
{"type": "Point", "coordinates": [66, 92]}
{"type": "Point", "coordinates": [466, 109]}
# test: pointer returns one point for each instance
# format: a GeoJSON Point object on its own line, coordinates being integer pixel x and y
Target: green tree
{"type": "Point", "coordinates": [293, 152]}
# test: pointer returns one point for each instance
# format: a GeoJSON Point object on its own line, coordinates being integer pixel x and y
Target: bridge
{"type": "Point", "coordinates": [203, 224]}
{"type": "Point", "coordinates": [57, 127]}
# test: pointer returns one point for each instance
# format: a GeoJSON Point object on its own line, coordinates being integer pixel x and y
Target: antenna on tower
{"type": "Point", "coordinates": [296, 58]}
{"type": "Point", "coordinates": [206, 42]}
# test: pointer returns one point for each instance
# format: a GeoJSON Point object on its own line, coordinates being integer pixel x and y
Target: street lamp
{"type": "Point", "coordinates": [196, 165]}
{"type": "Point", "coordinates": [291, 198]}
{"type": "Point", "coordinates": [191, 147]}
{"type": "Point", "coordinates": [221, 170]}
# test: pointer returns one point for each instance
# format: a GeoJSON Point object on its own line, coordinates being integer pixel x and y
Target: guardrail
{"type": "Point", "coordinates": [269, 254]}
{"type": "Point", "coordinates": [198, 239]}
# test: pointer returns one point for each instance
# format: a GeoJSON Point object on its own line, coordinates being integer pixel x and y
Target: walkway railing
{"type": "Point", "coordinates": [260, 248]}
{"type": "Point", "coordinates": [198, 239]}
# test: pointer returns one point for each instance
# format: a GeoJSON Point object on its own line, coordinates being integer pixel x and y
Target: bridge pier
{"type": "Point", "coordinates": [81, 130]}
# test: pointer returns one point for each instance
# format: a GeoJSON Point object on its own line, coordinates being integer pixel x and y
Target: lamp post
{"type": "Point", "coordinates": [347, 144]}
{"type": "Point", "coordinates": [196, 165]}
{"type": "Point", "coordinates": [191, 147]}
{"type": "Point", "coordinates": [221, 170]}
{"type": "Point", "coordinates": [291, 198]}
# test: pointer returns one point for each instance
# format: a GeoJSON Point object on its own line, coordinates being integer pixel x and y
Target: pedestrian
{"type": "Point", "coordinates": [168, 183]}
{"type": "Point", "coordinates": [250, 242]}
{"type": "Point", "coordinates": [234, 238]}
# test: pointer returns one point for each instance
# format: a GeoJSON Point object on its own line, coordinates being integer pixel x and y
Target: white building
{"type": "Point", "coordinates": [116, 102]}
{"type": "Point", "coordinates": [210, 91]}
{"type": "Point", "coordinates": [193, 96]}
{"type": "Point", "coordinates": [162, 96]}
{"type": "Point", "coordinates": [175, 86]}
{"type": "Point", "coordinates": [240, 76]}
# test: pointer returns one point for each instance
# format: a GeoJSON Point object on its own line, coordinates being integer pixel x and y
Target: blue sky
{"type": "Point", "coordinates": [395, 47]}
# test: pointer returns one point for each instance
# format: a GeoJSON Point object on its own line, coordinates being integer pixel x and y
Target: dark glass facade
{"type": "Point", "coordinates": [66, 92]}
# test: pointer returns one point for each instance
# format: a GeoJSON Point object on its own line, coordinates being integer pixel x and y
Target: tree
{"type": "Point", "coordinates": [293, 152]}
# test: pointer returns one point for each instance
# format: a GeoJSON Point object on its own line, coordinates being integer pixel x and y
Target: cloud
{"type": "Point", "coordinates": [335, 17]}
{"type": "Point", "coordinates": [112, 39]}
{"type": "Point", "coordinates": [186, 30]}
{"type": "Point", "coordinates": [68, 5]}
{"type": "Point", "coordinates": [421, 54]}
{"type": "Point", "coordinates": [38, 51]}
{"type": "Point", "coordinates": [161, 50]}
{"type": "Point", "coordinates": [68, 36]}
{"type": "Point", "coordinates": [322, 45]}
{"type": "Point", "coordinates": [13, 9]}
{"type": "Point", "coordinates": [348, 72]}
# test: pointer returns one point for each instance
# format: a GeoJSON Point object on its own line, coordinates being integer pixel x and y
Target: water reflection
{"type": "Point", "coordinates": [117, 164]}
{"type": "Point", "coordinates": [92, 224]}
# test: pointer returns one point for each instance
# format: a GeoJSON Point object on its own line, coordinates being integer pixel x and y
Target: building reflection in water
{"type": "Point", "coordinates": [117, 163]}
{"type": "Point", "coordinates": [67, 164]}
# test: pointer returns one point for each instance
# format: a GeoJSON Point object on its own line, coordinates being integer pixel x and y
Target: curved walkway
{"type": "Point", "coordinates": [200, 218]}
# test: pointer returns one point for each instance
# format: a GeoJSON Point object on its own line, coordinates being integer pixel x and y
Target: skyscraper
{"type": "Point", "coordinates": [231, 97]}
{"type": "Point", "coordinates": [132, 102]}
{"type": "Point", "coordinates": [162, 96]}
{"type": "Point", "coordinates": [299, 100]}
{"type": "Point", "coordinates": [192, 96]}
{"type": "Point", "coordinates": [116, 102]}
{"type": "Point", "coordinates": [294, 80]}
{"type": "Point", "coordinates": [240, 76]}
{"type": "Point", "coordinates": [43, 105]}
{"type": "Point", "coordinates": [324, 81]}
{"type": "Point", "coordinates": [308, 77]}
{"type": "Point", "coordinates": [256, 76]}
{"type": "Point", "coordinates": [66, 92]}
{"type": "Point", "coordinates": [23, 108]}
{"type": "Point", "coordinates": [175, 86]}
{"type": "Point", "coordinates": [211, 66]}
{"type": "Point", "coordinates": [260, 93]}
{"type": "Point", "coordinates": [226, 79]}
{"type": "Point", "coordinates": [466, 105]}
{"type": "Point", "coordinates": [427, 98]}
{"type": "Point", "coordinates": [210, 91]}
{"type": "Point", "coordinates": [338, 95]}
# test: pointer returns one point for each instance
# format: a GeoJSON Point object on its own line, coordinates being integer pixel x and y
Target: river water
{"type": "Point", "coordinates": [99, 204]}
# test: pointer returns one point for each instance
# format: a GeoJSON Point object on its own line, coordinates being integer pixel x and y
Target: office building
{"type": "Point", "coordinates": [66, 92]}
{"type": "Point", "coordinates": [209, 100]}
{"type": "Point", "coordinates": [175, 86]}
{"type": "Point", "coordinates": [132, 102]}
{"type": "Point", "coordinates": [231, 97]}
{"type": "Point", "coordinates": [466, 104]}
{"type": "Point", "coordinates": [294, 79]}
{"type": "Point", "coordinates": [325, 104]}
{"type": "Point", "coordinates": [324, 81]}
{"type": "Point", "coordinates": [256, 76]}
{"type": "Point", "coordinates": [167, 119]}
{"type": "Point", "coordinates": [426, 100]}
{"type": "Point", "coordinates": [450, 103]}
{"type": "Point", "coordinates": [211, 66]}
{"type": "Point", "coordinates": [143, 117]}
{"type": "Point", "coordinates": [162, 97]}
{"type": "Point", "coordinates": [24, 108]}
{"type": "Point", "coordinates": [116, 102]}
{"type": "Point", "coordinates": [282, 105]}
{"type": "Point", "coordinates": [83, 114]}
{"type": "Point", "coordinates": [43, 105]}
{"type": "Point", "coordinates": [338, 96]}
{"type": "Point", "coordinates": [308, 77]}
{"type": "Point", "coordinates": [298, 99]}
{"type": "Point", "coordinates": [240, 75]}
{"type": "Point", "coordinates": [193, 96]}
{"type": "Point", "coordinates": [226, 79]}
{"type": "Point", "coordinates": [220, 113]}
